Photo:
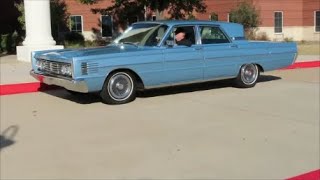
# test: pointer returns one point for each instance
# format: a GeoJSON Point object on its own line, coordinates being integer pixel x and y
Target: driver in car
{"type": "Point", "coordinates": [181, 37]}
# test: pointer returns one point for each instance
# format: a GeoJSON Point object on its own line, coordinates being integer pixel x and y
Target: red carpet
{"type": "Point", "coordinates": [313, 175]}
{"type": "Point", "coordinates": [8, 89]}
{"type": "Point", "coordinates": [308, 64]}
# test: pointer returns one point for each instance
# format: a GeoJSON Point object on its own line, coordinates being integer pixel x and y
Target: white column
{"type": "Point", "coordinates": [38, 29]}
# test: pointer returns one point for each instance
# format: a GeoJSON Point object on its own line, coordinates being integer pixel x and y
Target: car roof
{"type": "Point", "coordinates": [184, 22]}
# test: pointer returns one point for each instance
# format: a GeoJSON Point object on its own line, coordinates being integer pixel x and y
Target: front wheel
{"type": "Point", "coordinates": [248, 76]}
{"type": "Point", "coordinates": [119, 88]}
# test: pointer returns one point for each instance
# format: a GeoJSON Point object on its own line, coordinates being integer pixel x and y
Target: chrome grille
{"type": "Point", "coordinates": [51, 67]}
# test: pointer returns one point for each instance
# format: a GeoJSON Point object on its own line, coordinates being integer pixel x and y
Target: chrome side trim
{"type": "Point", "coordinates": [78, 86]}
{"type": "Point", "coordinates": [188, 82]}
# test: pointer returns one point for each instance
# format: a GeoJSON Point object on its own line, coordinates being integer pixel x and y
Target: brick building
{"type": "Point", "coordinates": [296, 19]}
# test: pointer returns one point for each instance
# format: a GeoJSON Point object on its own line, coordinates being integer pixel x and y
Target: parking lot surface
{"type": "Point", "coordinates": [209, 130]}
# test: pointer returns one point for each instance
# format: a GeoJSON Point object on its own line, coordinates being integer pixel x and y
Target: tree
{"type": "Point", "coordinates": [246, 14]}
{"type": "Point", "coordinates": [177, 9]}
{"type": "Point", "coordinates": [20, 8]}
{"type": "Point", "coordinates": [214, 16]}
{"type": "Point", "coordinates": [122, 10]}
{"type": "Point", "coordinates": [59, 18]}
{"type": "Point", "coordinates": [182, 9]}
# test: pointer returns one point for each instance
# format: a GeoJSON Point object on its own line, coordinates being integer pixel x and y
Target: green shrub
{"type": "Point", "coordinates": [214, 16]}
{"type": "Point", "coordinates": [287, 39]}
{"type": "Point", "coordinates": [1, 50]}
{"type": "Point", "coordinates": [191, 17]}
{"type": "Point", "coordinates": [246, 14]}
{"type": "Point", "coordinates": [95, 43]}
{"type": "Point", "coordinates": [4, 42]}
{"type": "Point", "coordinates": [8, 42]}
{"type": "Point", "coordinates": [74, 39]}
{"type": "Point", "coordinates": [303, 42]}
{"type": "Point", "coordinates": [253, 35]}
{"type": "Point", "coordinates": [262, 37]}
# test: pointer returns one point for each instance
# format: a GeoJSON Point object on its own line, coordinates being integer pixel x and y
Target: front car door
{"type": "Point", "coordinates": [183, 63]}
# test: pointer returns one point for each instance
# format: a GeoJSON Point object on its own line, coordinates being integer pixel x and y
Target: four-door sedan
{"type": "Point", "coordinates": [147, 55]}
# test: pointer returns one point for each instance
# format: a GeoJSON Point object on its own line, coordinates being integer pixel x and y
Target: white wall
{"type": "Point", "coordinates": [89, 35]}
{"type": "Point", "coordinates": [297, 33]}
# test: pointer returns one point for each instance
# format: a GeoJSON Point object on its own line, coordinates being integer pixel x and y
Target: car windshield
{"type": "Point", "coordinates": [145, 34]}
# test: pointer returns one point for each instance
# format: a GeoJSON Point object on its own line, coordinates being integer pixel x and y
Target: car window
{"type": "Point", "coordinates": [212, 35]}
{"type": "Point", "coordinates": [155, 36]}
{"type": "Point", "coordinates": [189, 35]}
{"type": "Point", "coordinates": [143, 34]}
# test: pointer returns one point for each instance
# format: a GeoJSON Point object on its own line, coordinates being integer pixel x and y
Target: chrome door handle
{"type": "Point", "coordinates": [233, 46]}
{"type": "Point", "coordinates": [198, 48]}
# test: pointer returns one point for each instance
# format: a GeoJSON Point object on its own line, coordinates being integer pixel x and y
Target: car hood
{"type": "Point", "coordinates": [68, 54]}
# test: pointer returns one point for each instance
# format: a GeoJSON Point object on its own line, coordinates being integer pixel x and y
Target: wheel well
{"type": "Point", "coordinates": [139, 81]}
{"type": "Point", "coordinates": [260, 67]}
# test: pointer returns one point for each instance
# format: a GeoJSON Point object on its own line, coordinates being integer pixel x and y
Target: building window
{"type": "Point", "coordinates": [317, 21]}
{"type": "Point", "coordinates": [106, 26]}
{"type": "Point", "coordinates": [76, 24]}
{"type": "Point", "coordinates": [278, 22]}
{"type": "Point", "coordinates": [154, 17]}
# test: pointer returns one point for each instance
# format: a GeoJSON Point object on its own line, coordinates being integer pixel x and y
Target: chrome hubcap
{"type": "Point", "coordinates": [120, 86]}
{"type": "Point", "coordinates": [249, 74]}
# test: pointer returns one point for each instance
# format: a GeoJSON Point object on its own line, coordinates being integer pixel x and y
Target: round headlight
{"type": "Point", "coordinates": [66, 70]}
{"type": "Point", "coordinates": [39, 64]}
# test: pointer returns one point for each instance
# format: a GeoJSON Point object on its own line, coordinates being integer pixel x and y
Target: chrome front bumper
{"type": "Point", "coordinates": [78, 86]}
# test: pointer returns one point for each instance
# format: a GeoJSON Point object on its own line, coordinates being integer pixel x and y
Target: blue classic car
{"type": "Point", "coordinates": [162, 53]}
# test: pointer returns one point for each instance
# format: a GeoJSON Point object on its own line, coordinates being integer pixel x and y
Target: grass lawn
{"type": "Point", "coordinates": [309, 48]}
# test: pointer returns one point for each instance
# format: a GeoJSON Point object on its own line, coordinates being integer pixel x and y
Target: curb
{"type": "Point", "coordinates": [8, 89]}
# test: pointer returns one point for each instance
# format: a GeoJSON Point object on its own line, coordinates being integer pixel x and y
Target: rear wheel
{"type": "Point", "coordinates": [248, 76]}
{"type": "Point", "coordinates": [119, 88]}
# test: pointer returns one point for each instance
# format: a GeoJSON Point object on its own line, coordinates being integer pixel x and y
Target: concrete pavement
{"type": "Point", "coordinates": [13, 71]}
{"type": "Point", "coordinates": [208, 131]}
{"type": "Point", "coordinates": [203, 131]}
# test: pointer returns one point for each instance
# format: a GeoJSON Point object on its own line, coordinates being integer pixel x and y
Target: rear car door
{"type": "Point", "coordinates": [219, 53]}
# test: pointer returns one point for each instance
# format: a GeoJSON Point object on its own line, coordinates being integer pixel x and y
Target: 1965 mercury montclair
{"type": "Point", "coordinates": [149, 55]}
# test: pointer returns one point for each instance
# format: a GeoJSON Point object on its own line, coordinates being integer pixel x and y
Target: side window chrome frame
{"type": "Point", "coordinates": [170, 29]}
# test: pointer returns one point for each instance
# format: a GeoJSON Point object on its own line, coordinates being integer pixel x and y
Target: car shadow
{"type": "Point", "coordinates": [197, 87]}
{"type": "Point", "coordinates": [95, 98]}
{"type": "Point", "coordinates": [80, 98]}
{"type": "Point", "coordinates": [7, 136]}
{"type": "Point", "coordinates": [267, 78]}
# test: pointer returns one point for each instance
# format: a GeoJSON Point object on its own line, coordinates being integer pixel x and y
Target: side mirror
{"type": "Point", "coordinates": [170, 43]}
